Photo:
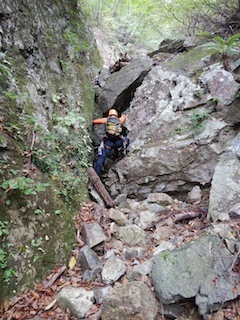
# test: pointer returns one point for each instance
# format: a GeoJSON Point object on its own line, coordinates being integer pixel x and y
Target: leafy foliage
{"type": "Point", "coordinates": [132, 23]}
{"type": "Point", "coordinates": [61, 150]}
{"type": "Point", "coordinates": [8, 271]}
{"type": "Point", "coordinates": [5, 69]}
{"type": "Point", "coordinates": [25, 185]}
{"type": "Point", "coordinates": [225, 48]}
{"type": "Point", "coordinates": [198, 121]}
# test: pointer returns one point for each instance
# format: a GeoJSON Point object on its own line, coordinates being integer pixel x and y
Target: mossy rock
{"type": "Point", "coordinates": [192, 61]}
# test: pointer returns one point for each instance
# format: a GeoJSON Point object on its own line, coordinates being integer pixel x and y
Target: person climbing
{"type": "Point", "coordinates": [113, 140]}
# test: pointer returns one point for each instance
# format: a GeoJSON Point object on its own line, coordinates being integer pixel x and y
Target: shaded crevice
{"type": "Point", "coordinates": [124, 99]}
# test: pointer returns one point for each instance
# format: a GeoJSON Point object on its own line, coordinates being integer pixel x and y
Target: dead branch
{"type": "Point", "coordinates": [97, 183]}
{"type": "Point", "coordinates": [55, 276]}
{"type": "Point", "coordinates": [187, 215]}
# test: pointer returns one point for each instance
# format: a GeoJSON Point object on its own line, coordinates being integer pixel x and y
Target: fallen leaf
{"type": "Point", "coordinates": [35, 304]}
{"type": "Point", "coordinates": [72, 263]}
{"type": "Point", "coordinates": [50, 305]}
{"type": "Point", "coordinates": [35, 294]}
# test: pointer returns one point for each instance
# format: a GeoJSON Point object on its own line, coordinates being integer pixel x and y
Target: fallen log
{"type": "Point", "coordinates": [98, 185]}
{"type": "Point", "coordinates": [187, 215]}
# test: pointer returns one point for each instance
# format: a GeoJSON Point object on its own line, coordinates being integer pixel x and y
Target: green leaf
{"type": "Point", "coordinates": [35, 258]}
{"type": "Point", "coordinates": [29, 191]}
{"type": "Point", "coordinates": [14, 185]}
{"type": "Point", "coordinates": [219, 40]}
{"type": "Point", "coordinates": [21, 184]}
{"type": "Point", "coordinates": [5, 185]}
{"type": "Point", "coordinates": [21, 248]}
{"type": "Point", "coordinates": [233, 39]}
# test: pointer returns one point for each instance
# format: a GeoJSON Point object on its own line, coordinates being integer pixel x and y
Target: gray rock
{"type": "Point", "coordinates": [95, 195]}
{"type": "Point", "coordinates": [113, 269]}
{"type": "Point", "coordinates": [100, 294]}
{"type": "Point", "coordinates": [151, 206]}
{"type": "Point", "coordinates": [119, 87]}
{"type": "Point", "coordinates": [171, 46]}
{"type": "Point", "coordinates": [88, 259]}
{"type": "Point", "coordinates": [77, 300]}
{"type": "Point", "coordinates": [162, 233]}
{"type": "Point", "coordinates": [117, 244]}
{"type": "Point", "coordinates": [118, 217]}
{"type": "Point", "coordinates": [104, 74]}
{"type": "Point", "coordinates": [140, 270]}
{"type": "Point", "coordinates": [92, 234]}
{"type": "Point", "coordinates": [183, 151]}
{"type": "Point", "coordinates": [135, 252]}
{"type": "Point", "coordinates": [225, 190]}
{"type": "Point", "coordinates": [197, 270]}
{"type": "Point", "coordinates": [225, 232]}
{"type": "Point", "coordinates": [235, 210]}
{"type": "Point", "coordinates": [221, 83]}
{"type": "Point", "coordinates": [3, 140]}
{"type": "Point", "coordinates": [195, 195]}
{"type": "Point", "coordinates": [131, 234]}
{"type": "Point", "coordinates": [146, 219]}
{"type": "Point", "coordinates": [132, 301]}
{"type": "Point", "coordinates": [161, 198]}
{"type": "Point", "coordinates": [164, 245]}
{"type": "Point", "coordinates": [121, 201]}
{"type": "Point", "coordinates": [92, 275]}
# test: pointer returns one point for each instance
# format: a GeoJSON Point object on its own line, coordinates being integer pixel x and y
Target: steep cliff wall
{"type": "Point", "coordinates": [47, 56]}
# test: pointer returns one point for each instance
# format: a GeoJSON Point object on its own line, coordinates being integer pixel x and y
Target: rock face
{"type": "Point", "coordinates": [46, 102]}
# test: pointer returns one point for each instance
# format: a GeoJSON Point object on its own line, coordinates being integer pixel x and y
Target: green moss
{"type": "Point", "coordinates": [189, 60]}
{"type": "Point", "coordinates": [56, 232]}
{"type": "Point", "coordinates": [32, 119]}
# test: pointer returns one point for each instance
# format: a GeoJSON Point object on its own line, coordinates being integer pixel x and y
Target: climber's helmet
{"type": "Point", "coordinates": [112, 112]}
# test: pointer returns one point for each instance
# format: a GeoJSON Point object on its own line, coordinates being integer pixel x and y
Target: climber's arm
{"type": "Point", "coordinates": [122, 118]}
{"type": "Point", "coordinates": [100, 121]}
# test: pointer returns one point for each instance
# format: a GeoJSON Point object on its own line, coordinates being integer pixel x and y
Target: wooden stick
{"type": "Point", "coordinates": [55, 276]}
{"type": "Point", "coordinates": [48, 307]}
{"type": "Point", "coordinates": [97, 183]}
{"type": "Point", "coordinates": [187, 215]}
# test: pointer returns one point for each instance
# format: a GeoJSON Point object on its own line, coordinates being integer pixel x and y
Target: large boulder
{"type": "Point", "coordinates": [200, 270]}
{"type": "Point", "coordinates": [177, 133]}
{"type": "Point", "coordinates": [225, 190]}
{"type": "Point", "coordinates": [120, 86]}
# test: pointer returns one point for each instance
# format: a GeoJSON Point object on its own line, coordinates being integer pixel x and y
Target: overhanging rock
{"type": "Point", "coordinates": [120, 86]}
